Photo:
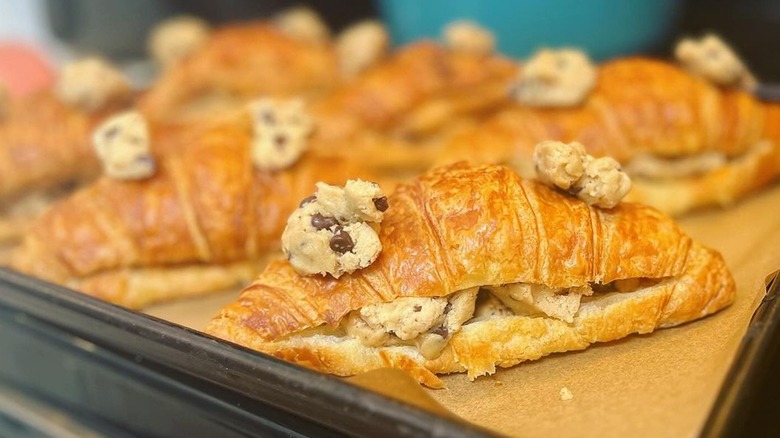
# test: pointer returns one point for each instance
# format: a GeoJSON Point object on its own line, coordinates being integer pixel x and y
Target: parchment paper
{"type": "Point", "coordinates": [661, 384]}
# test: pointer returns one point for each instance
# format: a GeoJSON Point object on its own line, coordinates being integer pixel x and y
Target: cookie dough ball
{"type": "Point", "coordinates": [281, 130]}
{"type": "Point", "coordinates": [603, 184]}
{"type": "Point", "coordinates": [361, 46]}
{"type": "Point", "coordinates": [559, 164]}
{"type": "Point", "coordinates": [318, 243]}
{"type": "Point", "coordinates": [177, 37]}
{"type": "Point", "coordinates": [333, 232]}
{"type": "Point", "coordinates": [357, 201]}
{"type": "Point", "coordinates": [556, 78]}
{"type": "Point", "coordinates": [712, 59]}
{"type": "Point", "coordinates": [122, 144]}
{"type": "Point", "coordinates": [304, 24]}
{"type": "Point", "coordinates": [469, 37]}
{"type": "Point", "coordinates": [91, 83]}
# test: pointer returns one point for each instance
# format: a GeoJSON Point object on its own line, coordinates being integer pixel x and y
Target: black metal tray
{"type": "Point", "coordinates": [748, 403]}
{"type": "Point", "coordinates": [118, 370]}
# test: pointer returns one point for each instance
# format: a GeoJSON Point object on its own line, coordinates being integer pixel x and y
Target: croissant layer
{"type": "Point", "coordinates": [463, 226]}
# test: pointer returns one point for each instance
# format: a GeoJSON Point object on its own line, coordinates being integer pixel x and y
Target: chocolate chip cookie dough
{"type": "Point", "coordinates": [334, 232]}
{"type": "Point", "coordinates": [122, 144]}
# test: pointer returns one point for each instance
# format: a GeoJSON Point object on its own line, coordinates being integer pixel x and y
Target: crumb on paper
{"type": "Point", "coordinates": [175, 38]}
{"type": "Point", "coordinates": [713, 60]}
{"type": "Point", "coordinates": [469, 37]}
{"type": "Point", "coordinates": [122, 144]}
{"type": "Point", "coordinates": [566, 394]}
{"type": "Point", "coordinates": [597, 181]}
{"type": "Point", "coordinates": [556, 78]}
{"type": "Point", "coordinates": [361, 46]}
{"type": "Point", "coordinates": [281, 129]}
{"type": "Point", "coordinates": [91, 83]}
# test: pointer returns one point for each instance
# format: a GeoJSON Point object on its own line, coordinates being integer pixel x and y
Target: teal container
{"type": "Point", "coordinates": [603, 28]}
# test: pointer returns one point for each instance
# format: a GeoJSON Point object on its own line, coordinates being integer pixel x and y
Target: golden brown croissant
{"type": "Point", "coordinates": [686, 143]}
{"type": "Point", "coordinates": [422, 93]}
{"type": "Point", "coordinates": [466, 233]}
{"type": "Point", "coordinates": [45, 149]}
{"type": "Point", "coordinates": [206, 218]}
{"type": "Point", "coordinates": [238, 63]}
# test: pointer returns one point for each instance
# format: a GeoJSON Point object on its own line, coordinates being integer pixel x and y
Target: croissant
{"type": "Point", "coordinates": [45, 149]}
{"type": "Point", "coordinates": [686, 143]}
{"type": "Point", "coordinates": [238, 63]}
{"type": "Point", "coordinates": [419, 96]}
{"type": "Point", "coordinates": [458, 243]}
{"type": "Point", "coordinates": [203, 222]}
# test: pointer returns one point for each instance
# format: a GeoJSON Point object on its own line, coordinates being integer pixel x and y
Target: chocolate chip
{"type": "Point", "coordinates": [417, 308]}
{"type": "Point", "coordinates": [341, 242]}
{"type": "Point", "coordinates": [280, 141]}
{"type": "Point", "coordinates": [268, 117]}
{"type": "Point", "coordinates": [381, 203]}
{"type": "Point", "coordinates": [307, 200]}
{"type": "Point", "coordinates": [112, 132]}
{"type": "Point", "coordinates": [447, 308]}
{"type": "Point", "coordinates": [321, 222]}
{"type": "Point", "coordinates": [441, 331]}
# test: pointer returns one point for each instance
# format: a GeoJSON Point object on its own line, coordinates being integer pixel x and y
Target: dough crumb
{"type": "Point", "coordinates": [175, 38]}
{"type": "Point", "coordinates": [556, 78]}
{"type": "Point", "coordinates": [713, 60]}
{"type": "Point", "coordinates": [361, 46]}
{"type": "Point", "coordinates": [122, 144]}
{"type": "Point", "coordinates": [335, 232]}
{"type": "Point", "coordinates": [281, 130]}
{"type": "Point", "coordinates": [597, 181]}
{"type": "Point", "coordinates": [91, 83]}
{"type": "Point", "coordinates": [469, 37]}
{"type": "Point", "coordinates": [566, 394]}
{"type": "Point", "coordinates": [304, 24]}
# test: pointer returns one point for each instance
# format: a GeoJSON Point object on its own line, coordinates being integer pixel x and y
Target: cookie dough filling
{"type": "Point", "coordinates": [713, 60]}
{"type": "Point", "coordinates": [597, 181]}
{"type": "Point", "coordinates": [177, 37]}
{"type": "Point", "coordinates": [91, 83]}
{"type": "Point", "coordinates": [304, 24]}
{"type": "Point", "coordinates": [361, 46]}
{"type": "Point", "coordinates": [429, 323]}
{"type": "Point", "coordinates": [281, 131]}
{"type": "Point", "coordinates": [122, 144]}
{"type": "Point", "coordinates": [335, 231]}
{"type": "Point", "coordinates": [469, 37]}
{"type": "Point", "coordinates": [556, 78]}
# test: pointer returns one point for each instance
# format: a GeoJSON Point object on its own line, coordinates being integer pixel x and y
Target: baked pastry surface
{"type": "Point", "coordinates": [686, 143]}
{"type": "Point", "coordinates": [462, 227]}
{"type": "Point", "coordinates": [207, 214]}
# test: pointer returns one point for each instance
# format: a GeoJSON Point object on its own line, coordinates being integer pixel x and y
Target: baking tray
{"type": "Point", "coordinates": [747, 404]}
{"type": "Point", "coordinates": [145, 376]}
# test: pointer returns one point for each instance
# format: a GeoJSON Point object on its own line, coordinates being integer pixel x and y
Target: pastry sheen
{"type": "Point", "coordinates": [462, 227]}
{"type": "Point", "coordinates": [720, 144]}
{"type": "Point", "coordinates": [207, 218]}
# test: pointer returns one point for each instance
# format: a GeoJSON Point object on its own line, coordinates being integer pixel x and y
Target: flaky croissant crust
{"type": "Point", "coordinates": [45, 143]}
{"type": "Point", "coordinates": [462, 226]}
{"type": "Point", "coordinates": [206, 204]}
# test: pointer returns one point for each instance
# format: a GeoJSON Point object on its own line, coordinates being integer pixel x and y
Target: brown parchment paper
{"type": "Point", "coordinates": [661, 384]}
